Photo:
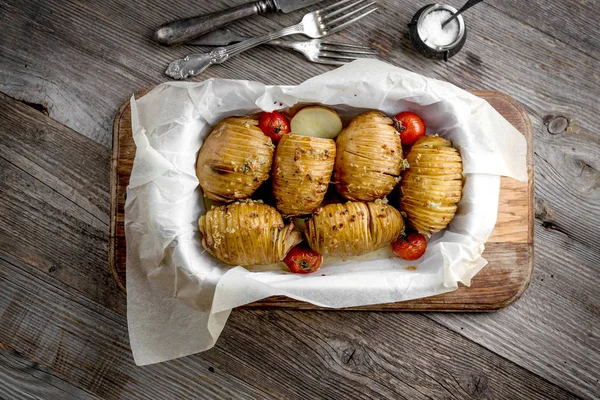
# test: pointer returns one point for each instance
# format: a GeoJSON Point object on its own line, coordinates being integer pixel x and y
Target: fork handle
{"type": "Point", "coordinates": [195, 64]}
{"type": "Point", "coordinates": [183, 30]}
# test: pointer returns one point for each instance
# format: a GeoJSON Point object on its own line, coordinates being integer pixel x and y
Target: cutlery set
{"type": "Point", "coordinates": [316, 25]}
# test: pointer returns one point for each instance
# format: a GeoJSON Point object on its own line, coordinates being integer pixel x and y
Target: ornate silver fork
{"type": "Point", "coordinates": [316, 24]}
{"type": "Point", "coordinates": [316, 50]}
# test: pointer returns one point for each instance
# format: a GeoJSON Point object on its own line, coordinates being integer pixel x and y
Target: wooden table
{"type": "Point", "coordinates": [65, 67]}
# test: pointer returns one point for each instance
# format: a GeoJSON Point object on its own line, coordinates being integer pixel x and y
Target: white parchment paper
{"type": "Point", "coordinates": [179, 297]}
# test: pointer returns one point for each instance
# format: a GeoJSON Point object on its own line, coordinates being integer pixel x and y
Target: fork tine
{"type": "Point", "coordinates": [330, 62]}
{"type": "Point", "coordinates": [345, 16]}
{"type": "Point", "coordinates": [341, 10]}
{"type": "Point", "coordinates": [338, 56]}
{"type": "Point", "coordinates": [345, 24]}
{"type": "Point", "coordinates": [339, 3]}
{"type": "Point", "coordinates": [348, 51]}
{"type": "Point", "coordinates": [354, 46]}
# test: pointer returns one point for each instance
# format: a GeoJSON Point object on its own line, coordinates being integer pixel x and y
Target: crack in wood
{"type": "Point", "coordinates": [39, 107]}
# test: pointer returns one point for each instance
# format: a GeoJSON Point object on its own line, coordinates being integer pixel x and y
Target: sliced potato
{"type": "Point", "coordinates": [234, 160]}
{"type": "Point", "coordinates": [301, 173]}
{"type": "Point", "coordinates": [247, 233]}
{"type": "Point", "coordinates": [432, 186]}
{"type": "Point", "coordinates": [369, 158]}
{"type": "Point", "coordinates": [353, 228]}
{"type": "Point", "coordinates": [316, 121]}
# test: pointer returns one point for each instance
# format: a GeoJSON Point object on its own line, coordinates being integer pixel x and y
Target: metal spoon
{"type": "Point", "coordinates": [464, 8]}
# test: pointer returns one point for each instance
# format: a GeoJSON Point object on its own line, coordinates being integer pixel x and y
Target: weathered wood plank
{"type": "Point", "coordinates": [567, 176]}
{"type": "Point", "coordinates": [373, 355]}
{"type": "Point", "coordinates": [87, 344]}
{"type": "Point", "coordinates": [561, 306]}
{"type": "Point", "coordinates": [54, 201]}
{"type": "Point", "coordinates": [23, 378]}
{"type": "Point", "coordinates": [581, 31]}
{"type": "Point", "coordinates": [67, 162]}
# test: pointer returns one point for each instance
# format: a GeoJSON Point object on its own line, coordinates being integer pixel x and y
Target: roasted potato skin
{"type": "Point", "coordinates": [369, 158]}
{"type": "Point", "coordinates": [432, 187]}
{"type": "Point", "coordinates": [234, 160]}
{"type": "Point", "coordinates": [246, 233]}
{"type": "Point", "coordinates": [353, 228]}
{"type": "Point", "coordinates": [301, 173]}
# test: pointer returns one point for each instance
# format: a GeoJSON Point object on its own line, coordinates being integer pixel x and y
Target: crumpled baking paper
{"type": "Point", "coordinates": [179, 297]}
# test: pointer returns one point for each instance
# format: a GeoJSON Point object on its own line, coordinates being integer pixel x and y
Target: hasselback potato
{"type": "Point", "coordinates": [247, 233]}
{"type": "Point", "coordinates": [234, 160]}
{"type": "Point", "coordinates": [432, 186]}
{"type": "Point", "coordinates": [369, 158]}
{"type": "Point", "coordinates": [301, 173]}
{"type": "Point", "coordinates": [353, 228]}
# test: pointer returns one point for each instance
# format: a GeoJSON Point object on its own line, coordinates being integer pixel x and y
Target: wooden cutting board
{"type": "Point", "coordinates": [509, 250]}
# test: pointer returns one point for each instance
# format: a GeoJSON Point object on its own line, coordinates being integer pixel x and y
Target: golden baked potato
{"type": "Point", "coordinates": [247, 233]}
{"type": "Point", "coordinates": [369, 158]}
{"type": "Point", "coordinates": [353, 228]}
{"type": "Point", "coordinates": [301, 173]}
{"type": "Point", "coordinates": [432, 186]}
{"type": "Point", "coordinates": [234, 160]}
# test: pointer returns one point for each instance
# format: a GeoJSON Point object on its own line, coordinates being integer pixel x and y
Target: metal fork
{"type": "Point", "coordinates": [330, 53]}
{"type": "Point", "coordinates": [316, 24]}
{"type": "Point", "coordinates": [315, 50]}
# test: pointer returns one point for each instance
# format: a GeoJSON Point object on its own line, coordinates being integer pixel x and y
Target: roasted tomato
{"type": "Point", "coordinates": [302, 260]}
{"type": "Point", "coordinates": [410, 247]}
{"type": "Point", "coordinates": [410, 126]}
{"type": "Point", "coordinates": [274, 124]}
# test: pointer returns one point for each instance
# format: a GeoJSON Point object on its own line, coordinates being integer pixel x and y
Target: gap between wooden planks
{"type": "Point", "coordinates": [509, 249]}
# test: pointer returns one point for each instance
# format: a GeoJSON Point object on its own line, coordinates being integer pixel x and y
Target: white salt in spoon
{"type": "Point", "coordinates": [464, 8]}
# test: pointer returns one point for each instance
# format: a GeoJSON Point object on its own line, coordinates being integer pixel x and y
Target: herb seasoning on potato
{"type": "Point", "coordinates": [369, 158]}
{"type": "Point", "coordinates": [301, 173]}
{"type": "Point", "coordinates": [353, 228]}
{"type": "Point", "coordinates": [247, 233]}
{"type": "Point", "coordinates": [366, 161]}
{"type": "Point", "coordinates": [432, 187]}
{"type": "Point", "coordinates": [234, 160]}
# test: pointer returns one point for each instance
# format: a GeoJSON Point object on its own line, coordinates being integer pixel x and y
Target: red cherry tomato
{"type": "Point", "coordinates": [301, 260]}
{"type": "Point", "coordinates": [410, 247]}
{"type": "Point", "coordinates": [410, 126]}
{"type": "Point", "coordinates": [274, 125]}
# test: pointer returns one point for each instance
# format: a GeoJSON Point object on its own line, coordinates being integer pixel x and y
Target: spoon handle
{"type": "Point", "coordinates": [465, 7]}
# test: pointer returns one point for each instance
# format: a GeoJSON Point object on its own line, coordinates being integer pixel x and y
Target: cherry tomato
{"type": "Point", "coordinates": [410, 247]}
{"type": "Point", "coordinates": [302, 260]}
{"type": "Point", "coordinates": [274, 125]}
{"type": "Point", "coordinates": [410, 126]}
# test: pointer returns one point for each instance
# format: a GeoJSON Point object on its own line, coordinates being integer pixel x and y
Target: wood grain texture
{"type": "Point", "coordinates": [509, 250]}
{"type": "Point", "coordinates": [563, 307]}
{"type": "Point", "coordinates": [54, 201]}
{"type": "Point", "coordinates": [80, 60]}
{"type": "Point", "coordinates": [376, 355]}
{"type": "Point", "coordinates": [549, 17]}
{"type": "Point", "coordinates": [23, 378]}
